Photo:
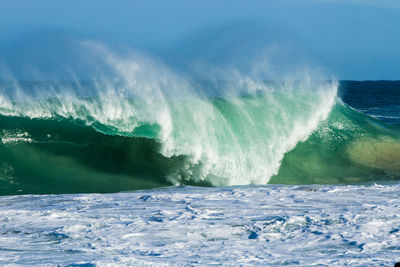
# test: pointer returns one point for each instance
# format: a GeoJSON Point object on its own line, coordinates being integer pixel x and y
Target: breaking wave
{"type": "Point", "coordinates": [149, 127]}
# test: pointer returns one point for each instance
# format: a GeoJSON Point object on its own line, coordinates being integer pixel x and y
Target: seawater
{"type": "Point", "coordinates": [340, 205]}
{"type": "Point", "coordinates": [280, 133]}
{"type": "Point", "coordinates": [331, 225]}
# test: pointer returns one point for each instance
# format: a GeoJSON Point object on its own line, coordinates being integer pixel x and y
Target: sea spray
{"type": "Point", "coordinates": [237, 137]}
{"type": "Point", "coordinates": [140, 124]}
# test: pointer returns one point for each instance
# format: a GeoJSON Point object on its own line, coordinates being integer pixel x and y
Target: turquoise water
{"type": "Point", "coordinates": [282, 133]}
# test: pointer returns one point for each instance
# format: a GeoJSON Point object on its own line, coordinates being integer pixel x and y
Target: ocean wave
{"type": "Point", "coordinates": [149, 127]}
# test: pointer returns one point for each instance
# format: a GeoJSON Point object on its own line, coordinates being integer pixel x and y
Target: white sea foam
{"type": "Point", "coordinates": [15, 137]}
{"type": "Point", "coordinates": [181, 226]}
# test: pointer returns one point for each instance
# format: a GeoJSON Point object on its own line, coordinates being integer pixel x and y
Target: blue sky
{"type": "Point", "coordinates": [354, 39]}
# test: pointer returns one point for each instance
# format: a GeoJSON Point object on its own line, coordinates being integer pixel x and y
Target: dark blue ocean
{"type": "Point", "coordinates": [379, 99]}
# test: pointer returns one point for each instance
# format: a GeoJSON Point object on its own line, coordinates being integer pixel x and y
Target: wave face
{"type": "Point", "coordinates": [348, 147]}
{"type": "Point", "coordinates": [150, 127]}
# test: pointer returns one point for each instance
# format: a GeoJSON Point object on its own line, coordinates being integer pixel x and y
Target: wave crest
{"type": "Point", "coordinates": [238, 135]}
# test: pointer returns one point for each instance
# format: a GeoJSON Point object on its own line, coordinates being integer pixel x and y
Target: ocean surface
{"type": "Point", "coordinates": [273, 173]}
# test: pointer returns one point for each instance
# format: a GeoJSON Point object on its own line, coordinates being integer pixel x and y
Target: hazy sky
{"type": "Point", "coordinates": [355, 39]}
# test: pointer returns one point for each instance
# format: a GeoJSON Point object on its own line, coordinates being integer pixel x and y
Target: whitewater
{"type": "Point", "coordinates": [193, 226]}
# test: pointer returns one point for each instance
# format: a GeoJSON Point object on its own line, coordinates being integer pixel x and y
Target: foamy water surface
{"type": "Point", "coordinates": [357, 225]}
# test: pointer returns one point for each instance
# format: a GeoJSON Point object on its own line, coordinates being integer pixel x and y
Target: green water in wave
{"type": "Point", "coordinates": [59, 156]}
{"type": "Point", "coordinates": [348, 147]}
{"type": "Point", "coordinates": [62, 155]}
